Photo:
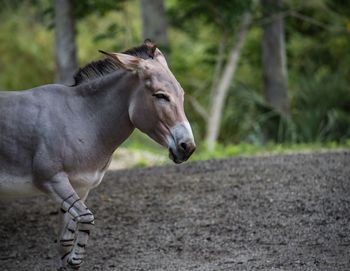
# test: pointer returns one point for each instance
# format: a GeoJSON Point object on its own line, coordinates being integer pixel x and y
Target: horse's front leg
{"type": "Point", "coordinates": [66, 237]}
{"type": "Point", "coordinates": [67, 231]}
{"type": "Point", "coordinates": [82, 220]}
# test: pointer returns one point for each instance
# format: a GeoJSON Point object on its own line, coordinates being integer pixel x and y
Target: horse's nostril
{"type": "Point", "coordinates": [183, 146]}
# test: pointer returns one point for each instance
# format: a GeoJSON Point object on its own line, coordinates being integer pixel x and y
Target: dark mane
{"type": "Point", "coordinates": [106, 66]}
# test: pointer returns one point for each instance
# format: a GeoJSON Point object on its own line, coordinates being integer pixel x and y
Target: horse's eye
{"type": "Point", "coordinates": [162, 96]}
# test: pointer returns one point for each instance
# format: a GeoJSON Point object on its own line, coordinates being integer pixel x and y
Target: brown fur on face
{"type": "Point", "coordinates": [157, 106]}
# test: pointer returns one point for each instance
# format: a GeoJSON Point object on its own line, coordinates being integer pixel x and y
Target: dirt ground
{"type": "Point", "coordinates": [288, 212]}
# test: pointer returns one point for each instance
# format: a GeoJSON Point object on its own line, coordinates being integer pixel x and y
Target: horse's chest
{"type": "Point", "coordinates": [86, 179]}
{"type": "Point", "coordinates": [83, 178]}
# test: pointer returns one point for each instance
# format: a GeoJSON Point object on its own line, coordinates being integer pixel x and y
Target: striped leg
{"type": "Point", "coordinates": [67, 235]}
{"type": "Point", "coordinates": [82, 221]}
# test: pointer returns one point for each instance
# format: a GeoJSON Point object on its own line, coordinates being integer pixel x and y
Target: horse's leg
{"type": "Point", "coordinates": [67, 231]}
{"type": "Point", "coordinates": [62, 192]}
{"type": "Point", "coordinates": [66, 237]}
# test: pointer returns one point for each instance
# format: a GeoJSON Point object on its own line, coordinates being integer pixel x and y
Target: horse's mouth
{"type": "Point", "coordinates": [174, 158]}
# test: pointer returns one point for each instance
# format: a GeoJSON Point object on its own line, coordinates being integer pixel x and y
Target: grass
{"type": "Point", "coordinates": [245, 149]}
{"type": "Point", "coordinates": [149, 153]}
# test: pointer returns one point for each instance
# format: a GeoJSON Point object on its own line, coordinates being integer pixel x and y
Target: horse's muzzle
{"type": "Point", "coordinates": [181, 142]}
{"type": "Point", "coordinates": [182, 152]}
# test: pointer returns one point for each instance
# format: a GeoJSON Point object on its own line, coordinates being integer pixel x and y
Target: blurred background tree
{"type": "Point", "coordinates": [274, 57]}
{"type": "Point", "coordinates": [65, 48]}
{"type": "Point", "coordinates": [231, 57]}
{"type": "Point", "coordinates": [154, 23]}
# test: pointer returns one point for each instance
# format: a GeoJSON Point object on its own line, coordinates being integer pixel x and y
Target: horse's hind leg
{"type": "Point", "coordinates": [62, 192]}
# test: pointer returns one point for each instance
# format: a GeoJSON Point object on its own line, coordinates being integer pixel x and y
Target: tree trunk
{"type": "Point", "coordinates": [218, 65]}
{"type": "Point", "coordinates": [274, 58]}
{"type": "Point", "coordinates": [154, 23]}
{"type": "Point", "coordinates": [220, 92]}
{"type": "Point", "coordinates": [65, 51]}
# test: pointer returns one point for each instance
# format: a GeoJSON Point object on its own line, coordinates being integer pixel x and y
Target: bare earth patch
{"type": "Point", "coordinates": [285, 212]}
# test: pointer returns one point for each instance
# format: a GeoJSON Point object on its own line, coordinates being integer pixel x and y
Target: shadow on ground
{"type": "Point", "coordinates": [288, 212]}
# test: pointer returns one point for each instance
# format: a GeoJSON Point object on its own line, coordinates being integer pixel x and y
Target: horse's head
{"type": "Point", "coordinates": [157, 106]}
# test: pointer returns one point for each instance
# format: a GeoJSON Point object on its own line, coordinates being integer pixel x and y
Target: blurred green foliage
{"type": "Point", "coordinates": [318, 46]}
{"type": "Point", "coordinates": [246, 149]}
{"type": "Point", "coordinates": [138, 142]}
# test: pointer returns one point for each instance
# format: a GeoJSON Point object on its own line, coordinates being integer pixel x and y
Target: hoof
{"type": "Point", "coordinates": [74, 263]}
{"type": "Point", "coordinates": [66, 269]}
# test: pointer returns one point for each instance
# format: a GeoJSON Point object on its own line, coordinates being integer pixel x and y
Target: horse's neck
{"type": "Point", "coordinates": [106, 101]}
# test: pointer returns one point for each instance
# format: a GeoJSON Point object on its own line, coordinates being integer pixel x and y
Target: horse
{"type": "Point", "coordinates": [58, 140]}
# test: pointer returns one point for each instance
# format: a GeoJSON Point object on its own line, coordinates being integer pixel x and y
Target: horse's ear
{"type": "Point", "coordinates": [158, 55]}
{"type": "Point", "coordinates": [151, 47]}
{"type": "Point", "coordinates": [127, 62]}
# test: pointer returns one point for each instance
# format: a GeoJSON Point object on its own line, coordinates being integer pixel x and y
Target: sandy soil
{"type": "Point", "coordinates": [288, 212]}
